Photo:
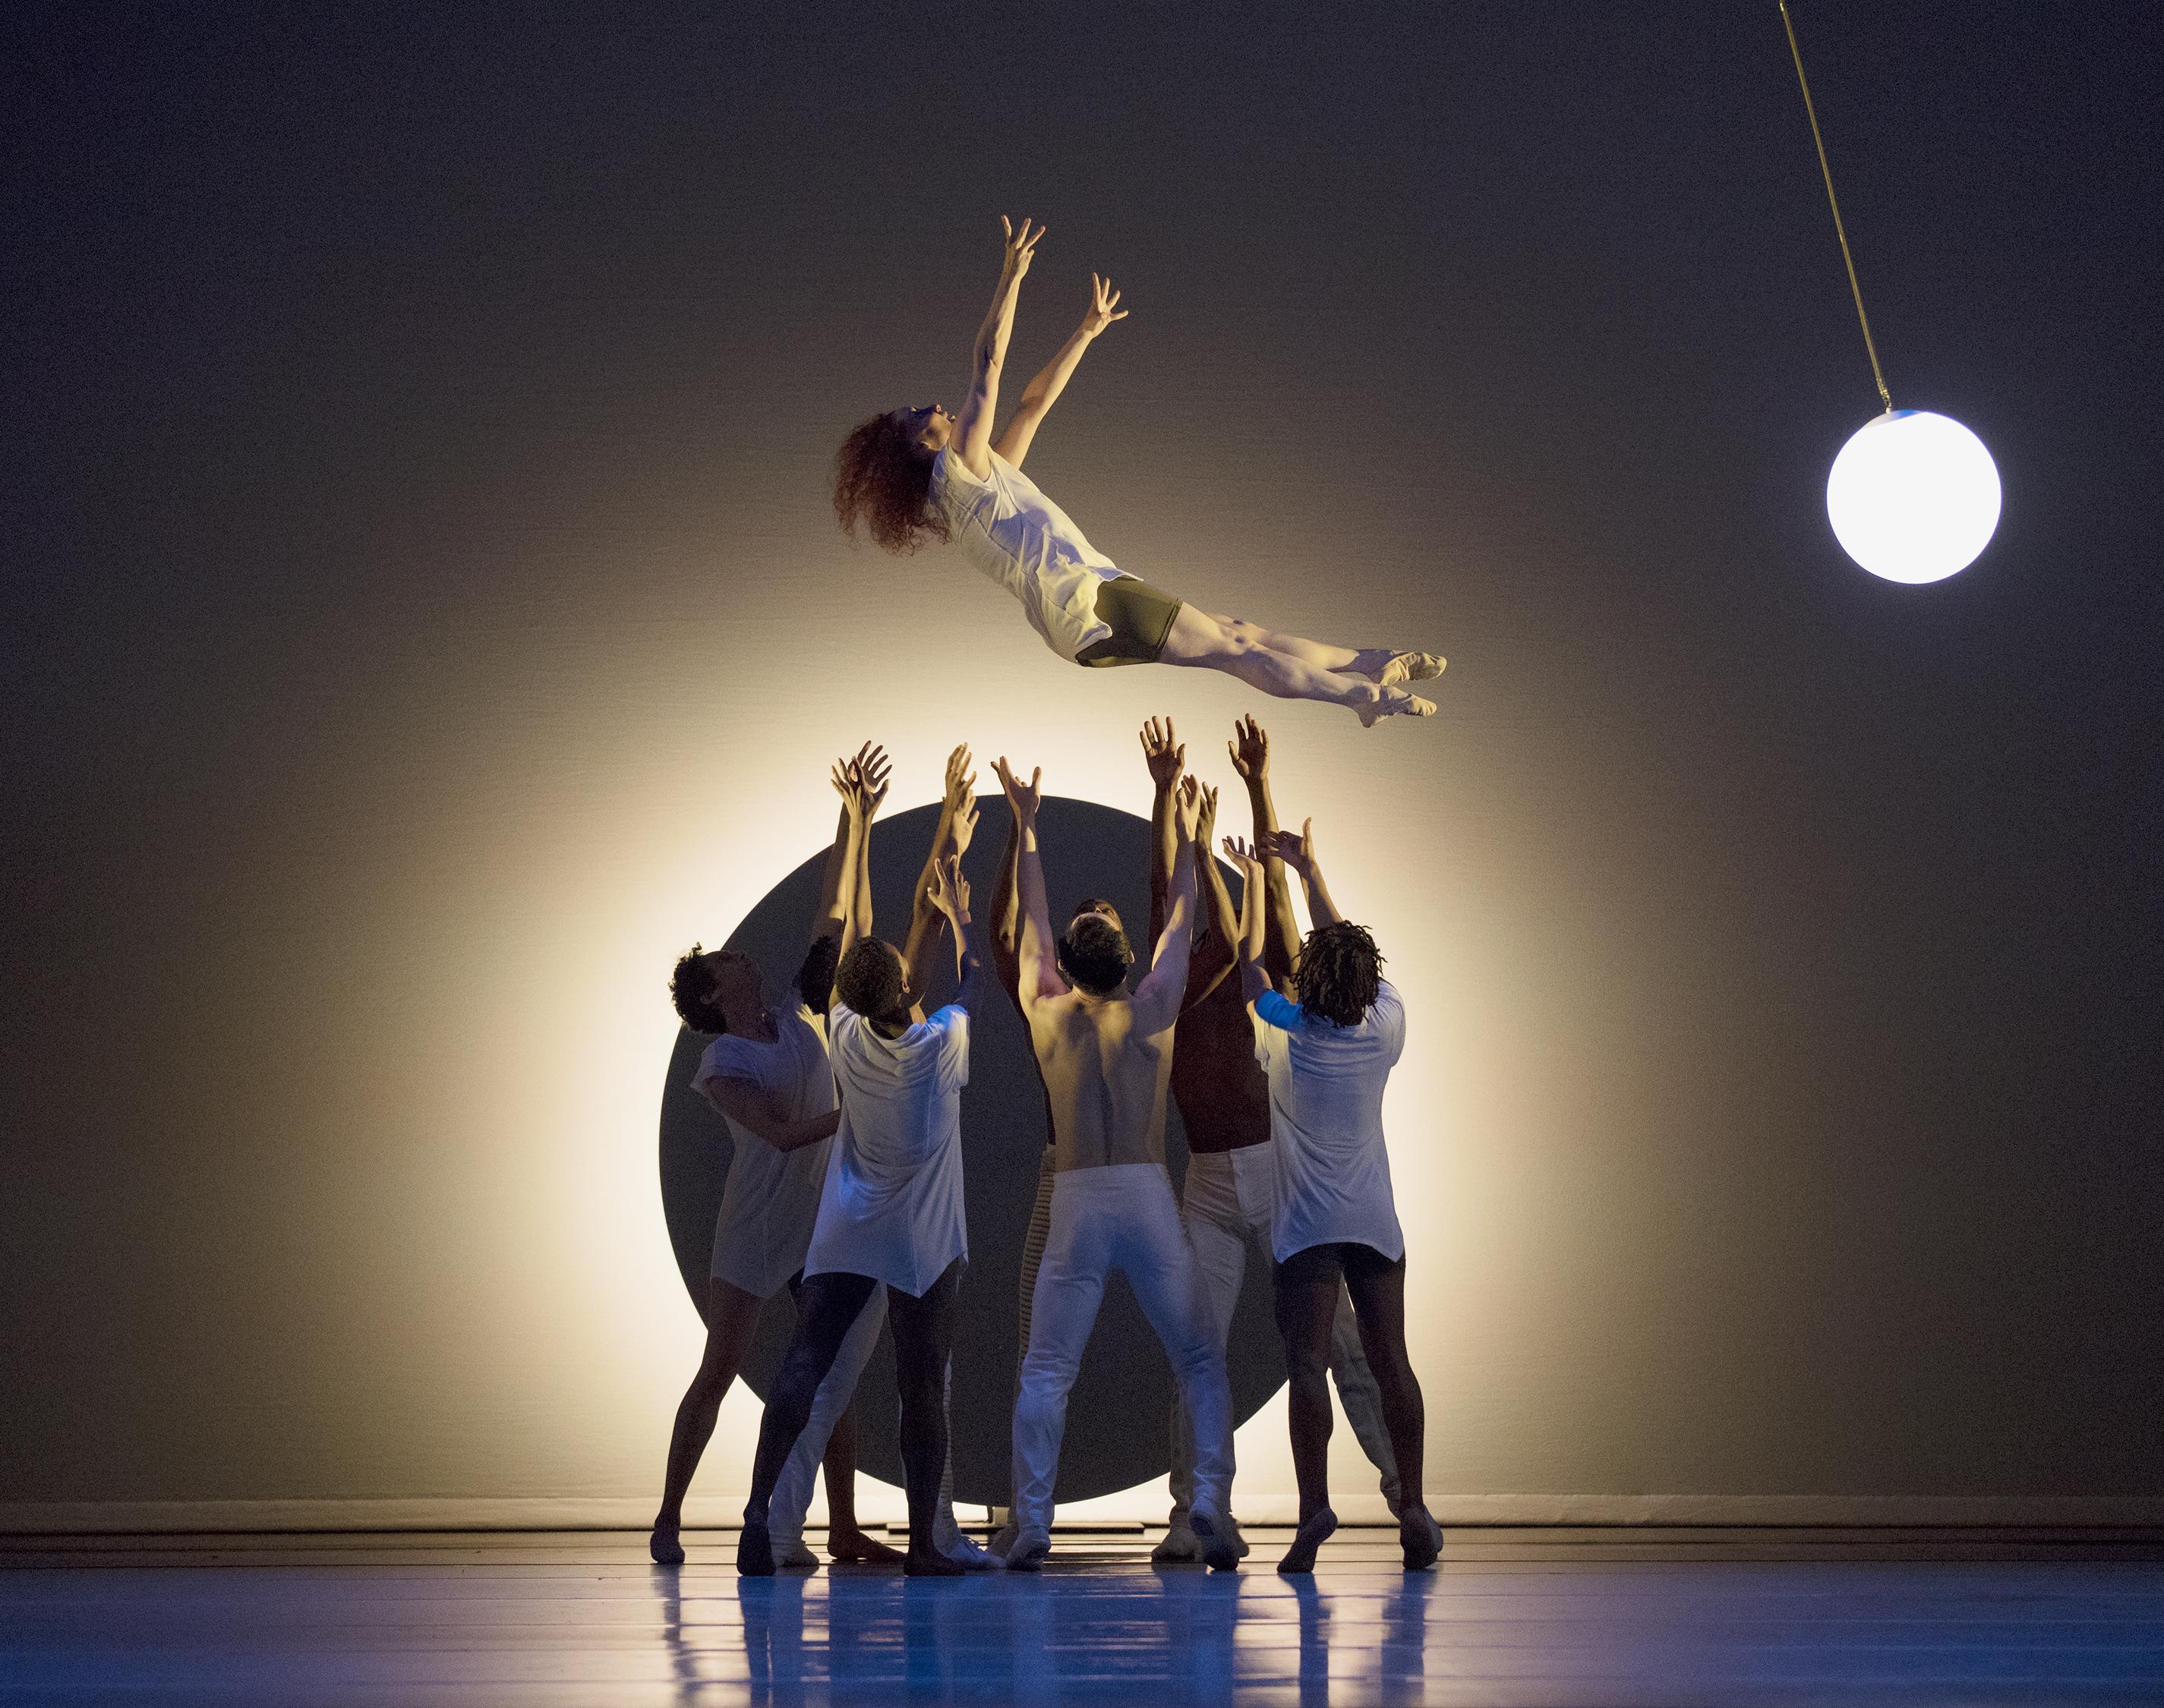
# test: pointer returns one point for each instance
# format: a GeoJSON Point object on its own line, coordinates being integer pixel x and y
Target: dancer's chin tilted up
{"type": "Point", "coordinates": [914, 474]}
{"type": "Point", "coordinates": [891, 1215]}
{"type": "Point", "coordinates": [1104, 1055]}
{"type": "Point", "coordinates": [1334, 1224]}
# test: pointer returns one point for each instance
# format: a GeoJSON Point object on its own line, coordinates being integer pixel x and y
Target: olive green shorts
{"type": "Point", "coordinates": [1140, 617]}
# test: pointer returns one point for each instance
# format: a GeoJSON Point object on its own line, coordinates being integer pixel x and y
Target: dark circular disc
{"type": "Point", "coordinates": [1118, 1416]}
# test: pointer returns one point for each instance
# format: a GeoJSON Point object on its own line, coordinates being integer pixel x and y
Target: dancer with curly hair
{"type": "Point", "coordinates": [1334, 1223]}
{"type": "Point", "coordinates": [909, 475]}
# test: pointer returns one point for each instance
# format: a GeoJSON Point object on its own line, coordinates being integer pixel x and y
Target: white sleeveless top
{"type": "Point", "coordinates": [771, 1202]}
{"type": "Point", "coordinates": [1029, 546]}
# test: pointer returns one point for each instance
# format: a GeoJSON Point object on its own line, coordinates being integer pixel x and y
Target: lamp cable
{"type": "Point", "coordinates": [1855, 289]}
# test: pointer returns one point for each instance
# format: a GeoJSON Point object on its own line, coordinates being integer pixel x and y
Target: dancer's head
{"type": "Point", "coordinates": [709, 985]}
{"type": "Point", "coordinates": [883, 477]}
{"type": "Point", "coordinates": [1093, 951]}
{"type": "Point", "coordinates": [1340, 971]}
{"type": "Point", "coordinates": [872, 981]}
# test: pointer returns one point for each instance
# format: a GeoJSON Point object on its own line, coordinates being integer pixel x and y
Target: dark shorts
{"type": "Point", "coordinates": [1328, 1265]}
{"type": "Point", "coordinates": [1140, 617]}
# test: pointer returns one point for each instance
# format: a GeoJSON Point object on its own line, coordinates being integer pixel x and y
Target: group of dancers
{"type": "Point", "coordinates": [847, 1183]}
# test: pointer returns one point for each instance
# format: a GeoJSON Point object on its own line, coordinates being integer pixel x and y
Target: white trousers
{"type": "Point", "coordinates": [792, 1495]}
{"type": "Point", "coordinates": [1225, 1207]}
{"type": "Point", "coordinates": [1120, 1217]}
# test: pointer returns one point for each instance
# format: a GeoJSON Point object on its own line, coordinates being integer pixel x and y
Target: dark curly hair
{"type": "Point", "coordinates": [869, 978]}
{"type": "Point", "coordinates": [692, 988]}
{"type": "Point", "coordinates": [814, 978]}
{"type": "Point", "coordinates": [1340, 971]}
{"type": "Point", "coordinates": [883, 478]}
{"type": "Point", "coordinates": [1094, 954]}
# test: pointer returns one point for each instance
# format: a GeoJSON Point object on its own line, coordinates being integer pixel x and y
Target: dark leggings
{"type": "Point", "coordinates": [923, 1330]}
{"type": "Point", "coordinates": [1305, 1287]}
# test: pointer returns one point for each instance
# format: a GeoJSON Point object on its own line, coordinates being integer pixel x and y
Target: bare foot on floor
{"type": "Point", "coordinates": [931, 1564]}
{"type": "Point", "coordinates": [1420, 1536]}
{"type": "Point", "coordinates": [1314, 1531]}
{"type": "Point", "coordinates": [855, 1548]}
{"type": "Point", "coordinates": [755, 1553]}
{"type": "Point", "coordinates": [1393, 703]}
{"type": "Point", "coordinates": [664, 1546]}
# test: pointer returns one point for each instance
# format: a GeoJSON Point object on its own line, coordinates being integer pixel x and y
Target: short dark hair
{"type": "Point", "coordinates": [1340, 972]}
{"type": "Point", "coordinates": [1094, 954]}
{"type": "Point", "coordinates": [692, 988]}
{"type": "Point", "coordinates": [869, 978]}
{"type": "Point", "coordinates": [883, 478]}
{"type": "Point", "coordinates": [814, 978]}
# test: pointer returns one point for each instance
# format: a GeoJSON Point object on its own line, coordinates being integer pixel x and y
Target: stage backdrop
{"type": "Point", "coordinates": [423, 617]}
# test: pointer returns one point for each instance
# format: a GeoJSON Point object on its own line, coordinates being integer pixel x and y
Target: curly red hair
{"type": "Point", "coordinates": [883, 478]}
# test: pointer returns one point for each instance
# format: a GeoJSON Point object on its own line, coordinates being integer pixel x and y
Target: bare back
{"type": "Point", "coordinates": [1106, 1079]}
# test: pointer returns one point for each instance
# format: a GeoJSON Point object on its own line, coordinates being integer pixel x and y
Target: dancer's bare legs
{"type": "Point", "coordinates": [1379, 664]}
{"type": "Point", "coordinates": [846, 1542]}
{"type": "Point", "coordinates": [731, 1314]}
{"type": "Point", "coordinates": [1237, 648]}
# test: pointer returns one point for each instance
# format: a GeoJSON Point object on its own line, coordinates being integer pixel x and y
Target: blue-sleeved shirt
{"type": "Point", "coordinates": [1333, 1171]}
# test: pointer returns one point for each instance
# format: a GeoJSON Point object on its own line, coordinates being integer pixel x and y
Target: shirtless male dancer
{"type": "Point", "coordinates": [766, 1073]}
{"type": "Point", "coordinates": [1224, 1102]}
{"type": "Point", "coordinates": [1105, 1056]}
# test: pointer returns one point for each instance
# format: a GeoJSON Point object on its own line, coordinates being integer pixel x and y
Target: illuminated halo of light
{"type": "Point", "coordinates": [1913, 497]}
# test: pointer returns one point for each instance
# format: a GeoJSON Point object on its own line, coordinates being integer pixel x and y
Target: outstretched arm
{"type": "Point", "coordinates": [950, 894]}
{"type": "Point", "coordinates": [973, 431]}
{"type": "Point", "coordinates": [1250, 748]}
{"type": "Point", "coordinates": [1298, 851]}
{"type": "Point", "coordinates": [1165, 758]}
{"type": "Point", "coordinates": [1254, 904]}
{"type": "Point", "coordinates": [1044, 391]}
{"type": "Point", "coordinates": [1007, 918]}
{"type": "Point", "coordinates": [826, 914]}
{"type": "Point", "coordinates": [1038, 974]}
{"type": "Point", "coordinates": [862, 787]}
{"type": "Point", "coordinates": [957, 821]}
{"type": "Point", "coordinates": [1157, 999]}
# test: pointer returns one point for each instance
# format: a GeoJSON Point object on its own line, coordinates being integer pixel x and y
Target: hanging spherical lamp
{"type": "Point", "coordinates": [1913, 497]}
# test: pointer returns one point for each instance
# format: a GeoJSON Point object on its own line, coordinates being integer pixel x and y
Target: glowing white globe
{"type": "Point", "coordinates": [1913, 496]}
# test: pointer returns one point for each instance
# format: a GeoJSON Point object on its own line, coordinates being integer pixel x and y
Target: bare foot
{"type": "Point", "coordinates": [755, 1553]}
{"type": "Point", "coordinates": [1420, 1536]}
{"type": "Point", "coordinates": [1313, 1533]}
{"type": "Point", "coordinates": [1393, 703]}
{"type": "Point", "coordinates": [930, 1563]}
{"type": "Point", "coordinates": [664, 1546]}
{"type": "Point", "coordinates": [855, 1548]}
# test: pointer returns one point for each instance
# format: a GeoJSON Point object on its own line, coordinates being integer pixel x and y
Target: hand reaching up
{"type": "Point", "coordinates": [1103, 299]}
{"type": "Point", "coordinates": [1250, 748]}
{"type": "Point", "coordinates": [1249, 860]}
{"type": "Point", "coordinates": [1296, 849]}
{"type": "Point", "coordinates": [1021, 246]}
{"type": "Point", "coordinates": [1024, 798]}
{"type": "Point", "coordinates": [1165, 759]}
{"type": "Point", "coordinates": [1187, 807]}
{"type": "Point", "coordinates": [961, 781]}
{"type": "Point", "coordinates": [950, 890]}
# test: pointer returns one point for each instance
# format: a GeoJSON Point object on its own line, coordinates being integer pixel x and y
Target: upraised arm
{"type": "Point", "coordinates": [862, 787]}
{"type": "Point", "coordinates": [1037, 970]}
{"type": "Point", "coordinates": [1165, 756]}
{"type": "Point", "coordinates": [973, 431]}
{"type": "Point", "coordinates": [1298, 851]}
{"type": "Point", "coordinates": [1250, 748]}
{"type": "Point", "coordinates": [1254, 904]}
{"type": "Point", "coordinates": [1006, 917]}
{"type": "Point", "coordinates": [1157, 999]}
{"type": "Point", "coordinates": [957, 822]}
{"type": "Point", "coordinates": [1044, 391]}
{"type": "Point", "coordinates": [951, 896]}
{"type": "Point", "coordinates": [827, 913]}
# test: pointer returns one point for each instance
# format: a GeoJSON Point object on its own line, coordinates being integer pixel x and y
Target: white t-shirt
{"type": "Point", "coordinates": [892, 1209]}
{"type": "Point", "coordinates": [770, 1200]}
{"type": "Point", "coordinates": [1333, 1173]}
{"type": "Point", "coordinates": [1027, 544]}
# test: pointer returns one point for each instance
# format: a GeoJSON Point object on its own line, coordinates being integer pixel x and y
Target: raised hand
{"type": "Point", "coordinates": [1205, 824]}
{"type": "Point", "coordinates": [1020, 246]}
{"type": "Point", "coordinates": [1024, 798]}
{"type": "Point", "coordinates": [961, 781]}
{"type": "Point", "coordinates": [961, 827]}
{"type": "Point", "coordinates": [1249, 860]}
{"type": "Point", "coordinates": [876, 772]}
{"type": "Point", "coordinates": [1103, 299]}
{"type": "Point", "coordinates": [1165, 760]}
{"type": "Point", "coordinates": [1296, 849]}
{"type": "Point", "coordinates": [1250, 748]}
{"type": "Point", "coordinates": [950, 890]}
{"type": "Point", "coordinates": [1187, 807]}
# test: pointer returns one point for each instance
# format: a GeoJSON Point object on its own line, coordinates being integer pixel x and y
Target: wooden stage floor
{"type": "Point", "coordinates": [1576, 1619]}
